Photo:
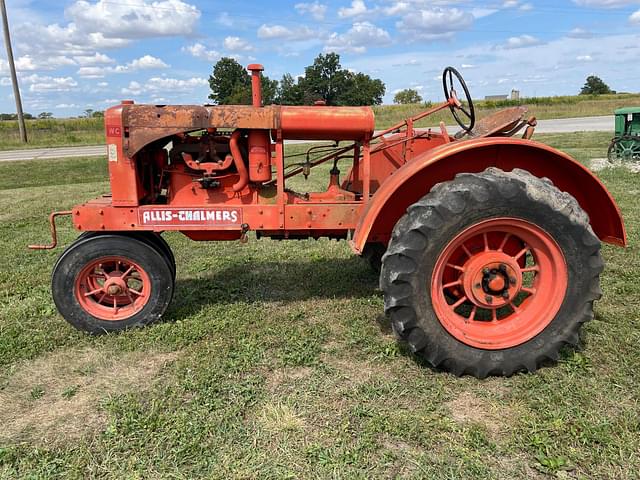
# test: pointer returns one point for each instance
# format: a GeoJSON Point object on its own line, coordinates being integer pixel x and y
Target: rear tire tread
{"type": "Point", "coordinates": [425, 217]}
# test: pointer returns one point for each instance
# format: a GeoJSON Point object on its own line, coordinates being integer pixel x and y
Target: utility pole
{"type": "Point", "coordinates": [12, 67]}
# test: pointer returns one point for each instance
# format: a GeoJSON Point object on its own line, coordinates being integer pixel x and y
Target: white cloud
{"type": "Point", "coordinates": [164, 84]}
{"type": "Point", "coordinates": [357, 9]}
{"type": "Point", "coordinates": [225, 20]}
{"type": "Point", "coordinates": [92, 60]}
{"type": "Point", "coordinates": [282, 32]}
{"type": "Point", "coordinates": [584, 58]}
{"type": "Point", "coordinates": [605, 3]}
{"type": "Point", "coordinates": [198, 50]}
{"type": "Point", "coordinates": [67, 105]}
{"type": "Point", "coordinates": [29, 63]}
{"type": "Point", "coordinates": [146, 62]}
{"type": "Point", "coordinates": [105, 25]}
{"type": "Point", "coordinates": [635, 17]}
{"type": "Point", "coordinates": [435, 23]}
{"type": "Point", "coordinates": [237, 44]}
{"type": "Point", "coordinates": [38, 83]}
{"type": "Point", "coordinates": [316, 10]}
{"type": "Point", "coordinates": [135, 18]}
{"type": "Point", "coordinates": [93, 72]}
{"type": "Point", "coordinates": [580, 33]}
{"type": "Point", "coordinates": [521, 42]}
{"type": "Point", "coordinates": [356, 40]}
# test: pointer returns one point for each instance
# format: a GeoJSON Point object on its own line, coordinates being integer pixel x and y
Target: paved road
{"type": "Point", "coordinates": [58, 152]}
{"type": "Point", "coordinates": [564, 125]}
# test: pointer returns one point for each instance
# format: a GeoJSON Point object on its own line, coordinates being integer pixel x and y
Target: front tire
{"type": "Point", "coordinates": [106, 283]}
{"type": "Point", "coordinates": [491, 273]}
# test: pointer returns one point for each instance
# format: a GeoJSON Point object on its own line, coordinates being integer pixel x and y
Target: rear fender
{"type": "Point", "coordinates": [414, 180]}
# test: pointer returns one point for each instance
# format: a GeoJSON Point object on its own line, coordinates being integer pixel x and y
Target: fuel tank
{"type": "Point", "coordinates": [326, 123]}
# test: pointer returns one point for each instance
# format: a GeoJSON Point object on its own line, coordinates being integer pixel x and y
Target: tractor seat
{"type": "Point", "coordinates": [503, 123]}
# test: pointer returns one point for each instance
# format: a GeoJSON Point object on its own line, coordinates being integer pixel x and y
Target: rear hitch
{"type": "Point", "coordinates": [54, 234]}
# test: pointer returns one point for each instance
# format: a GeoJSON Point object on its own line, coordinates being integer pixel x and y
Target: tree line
{"type": "Point", "coordinates": [324, 80]}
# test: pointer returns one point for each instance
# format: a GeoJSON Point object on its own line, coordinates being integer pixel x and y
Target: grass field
{"type": "Point", "coordinates": [90, 131]}
{"type": "Point", "coordinates": [275, 361]}
{"type": "Point", "coordinates": [52, 133]}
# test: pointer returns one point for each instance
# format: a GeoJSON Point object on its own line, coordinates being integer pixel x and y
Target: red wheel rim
{"type": "Point", "coordinates": [499, 283]}
{"type": "Point", "coordinates": [112, 288]}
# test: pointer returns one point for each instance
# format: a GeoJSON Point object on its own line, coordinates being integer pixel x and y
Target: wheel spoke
{"type": "Point", "coordinates": [102, 297]}
{"type": "Point", "coordinates": [530, 291]}
{"type": "Point", "coordinates": [514, 307]}
{"type": "Point", "coordinates": [455, 267]}
{"type": "Point", "coordinates": [533, 268]}
{"type": "Point", "coordinates": [521, 252]}
{"type": "Point", "coordinates": [504, 241]}
{"type": "Point", "coordinates": [128, 271]}
{"type": "Point", "coordinates": [452, 284]}
{"type": "Point", "coordinates": [466, 250]}
{"type": "Point", "coordinates": [459, 302]}
{"type": "Point", "coordinates": [485, 238]}
{"type": "Point", "coordinates": [472, 316]}
{"type": "Point", "coordinates": [135, 292]}
{"type": "Point", "coordinates": [494, 314]}
{"type": "Point", "coordinates": [93, 292]}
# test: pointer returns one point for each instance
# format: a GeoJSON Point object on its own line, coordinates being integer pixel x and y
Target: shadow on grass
{"type": "Point", "coordinates": [274, 281]}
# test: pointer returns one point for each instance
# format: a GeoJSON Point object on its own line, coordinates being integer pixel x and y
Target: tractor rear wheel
{"type": "Point", "coordinates": [110, 282]}
{"type": "Point", "coordinates": [491, 273]}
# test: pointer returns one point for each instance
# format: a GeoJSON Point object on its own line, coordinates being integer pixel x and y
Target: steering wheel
{"type": "Point", "coordinates": [456, 106]}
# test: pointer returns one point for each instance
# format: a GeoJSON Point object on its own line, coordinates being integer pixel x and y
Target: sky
{"type": "Point", "coordinates": [90, 54]}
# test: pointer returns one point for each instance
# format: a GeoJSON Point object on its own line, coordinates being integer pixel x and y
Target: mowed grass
{"type": "Point", "coordinates": [275, 361]}
{"type": "Point", "coordinates": [90, 131]}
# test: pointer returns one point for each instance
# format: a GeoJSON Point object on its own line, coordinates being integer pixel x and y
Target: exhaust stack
{"type": "Point", "coordinates": [256, 86]}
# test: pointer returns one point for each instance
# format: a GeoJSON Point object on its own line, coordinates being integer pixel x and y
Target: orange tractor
{"type": "Point", "coordinates": [488, 246]}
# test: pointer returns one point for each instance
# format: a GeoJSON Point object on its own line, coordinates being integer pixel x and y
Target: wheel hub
{"type": "Point", "coordinates": [491, 279]}
{"type": "Point", "coordinates": [112, 288]}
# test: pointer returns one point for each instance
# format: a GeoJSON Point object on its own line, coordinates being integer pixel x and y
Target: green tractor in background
{"type": "Point", "coordinates": [625, 146]}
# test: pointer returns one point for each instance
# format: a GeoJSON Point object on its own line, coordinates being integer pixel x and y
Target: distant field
{"type": "Point", "coordinates": [543, 108]}
{"type": "Point", "coordinates": [89, 131]}
{"type": "Point", "coordinates": [53, 133]}
{"type": "Point", "coordinates": [275, 361]}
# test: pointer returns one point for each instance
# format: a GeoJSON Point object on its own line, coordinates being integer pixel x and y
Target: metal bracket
{"type": "Point", "coordinates": [54, 234]}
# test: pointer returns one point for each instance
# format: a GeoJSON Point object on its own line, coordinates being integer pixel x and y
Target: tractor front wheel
{"type": "Point", "coordinates": [491, 273]}
{"type": "Point", "coordinates": [110, 282]}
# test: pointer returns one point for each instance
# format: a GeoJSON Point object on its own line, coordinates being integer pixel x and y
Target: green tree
{"type": "Point", "coordinates": [595, 86]}
{"type": "Point", "coordinates": [289, 92]}
{"type": "Point", "coordinates": [327, 80]}
{"type": "Point", "coordinates": [324, 80]}
{"type": "Point", "coordinates": [361, 89]}
{"type": "Point", "coordinates": [407, 96]}
{"type": "Point", "coordinates": [231, 84]}
{"type": "Point", "coordinates": [97, 114]}
{"type": "Point", "coordinates": [45, 115]}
